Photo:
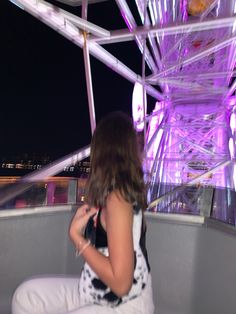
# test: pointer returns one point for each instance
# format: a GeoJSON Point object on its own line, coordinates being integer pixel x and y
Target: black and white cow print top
{"type": "Point", "coordinates": [92, 290]}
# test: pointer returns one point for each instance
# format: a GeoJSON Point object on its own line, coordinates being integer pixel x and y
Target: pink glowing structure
{"type": "Point", "coordinates": [189, 51]}
{"type": "Point", "coordinates": [139, 106]}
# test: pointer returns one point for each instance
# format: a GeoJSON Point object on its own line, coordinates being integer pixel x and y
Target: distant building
{"type": "Point", "coordinates": [21, 164]}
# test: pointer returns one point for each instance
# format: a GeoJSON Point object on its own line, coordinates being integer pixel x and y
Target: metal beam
{"type": "Point", "coordinates": [76, 3]}
{"type": "Point", "coordinates": [201, 76]}
{"type": "Point", "coordinates": [231, 90]}
{"type": "Point", "coordinates": [146, 22]}
{"type": "Point", "coordinates": [131, 24]}
{"type": "Point", "coordinates": [88, 74]}
{"type": "Point", "coordinates": [195, 57]}
{"type": "Point", "coordinates": [171, 29]}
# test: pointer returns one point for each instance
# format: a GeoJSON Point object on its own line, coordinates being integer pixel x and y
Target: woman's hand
{"type": "Point", "coordinates": [80, 221]}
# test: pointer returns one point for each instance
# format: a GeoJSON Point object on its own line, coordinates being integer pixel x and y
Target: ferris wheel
{"type": "Point", "coordinates": [187, 66]}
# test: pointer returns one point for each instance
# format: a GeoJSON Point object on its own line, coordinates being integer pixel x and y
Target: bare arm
{"type": "Point", "coordinates": [116, 270]}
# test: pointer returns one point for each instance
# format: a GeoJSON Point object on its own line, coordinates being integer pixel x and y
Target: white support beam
{"type": "Point", "coordinates": [131, 24]}
{"type": "Point", "coordinates": [201, 76]}
{"type": "Point", "coordinates": [171, 29]}
{"type": "Point", "coordinates": [81, 23]}
{"type": "Point", "coordinates": [76, 3]}
{"type": "Point", "coordinates": [152, 41]}
{"type": "Point", "coordinates": [84, 9]}
{"type": "Point", "coordinates": [194, 87]}
{"type": "Point", "coordinates": [231, 90]}
{"type": "Point", "coordinates": [88, 74]}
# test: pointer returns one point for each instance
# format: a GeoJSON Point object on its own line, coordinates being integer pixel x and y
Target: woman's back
{"type": "Point", "coordinates": [92, 289]}
{"type": "Point", "coordinates": [116, 275]}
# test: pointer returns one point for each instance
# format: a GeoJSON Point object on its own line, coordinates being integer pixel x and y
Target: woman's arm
{"type": "Point", "coordinates": [116, 270]}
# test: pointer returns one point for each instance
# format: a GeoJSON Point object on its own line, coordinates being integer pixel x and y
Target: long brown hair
{"type": "Point", "coordinates": [115, 162]}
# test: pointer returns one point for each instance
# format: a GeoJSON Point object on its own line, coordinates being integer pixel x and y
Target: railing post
{"type": "Point", "coordinates": [51, 187]}
{"type": "Point", "coordinates": [72, 191]}
{"type": "Point", "coordinates": [206, 201]}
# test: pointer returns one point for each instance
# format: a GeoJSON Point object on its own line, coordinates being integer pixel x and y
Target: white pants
{"type": "Point", "coordinates": [59, 295]}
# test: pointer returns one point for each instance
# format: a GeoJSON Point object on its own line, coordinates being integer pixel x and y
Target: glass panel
{"type": "Point", "coordinates": [54, 191]}
{"type": "Point", "coordinates": [206, 197]}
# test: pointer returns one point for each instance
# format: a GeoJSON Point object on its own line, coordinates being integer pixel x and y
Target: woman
{"type": "Point", "coordinates": [108, 231]}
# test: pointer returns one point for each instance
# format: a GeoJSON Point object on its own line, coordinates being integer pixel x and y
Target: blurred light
{"type": "Point", "coordinates": [231, 148]}
{"type": "Point", "coordinates": [234, 176]}
{"type": "Point", "coordinates": [17, 4]}
{"type": "Point", "coordinates": [197, 7]}
{"type": "Point", "coordinates": [140, 10]}
{"type": "Point", "coordinates": [151, 13]}
{"type": "Point", "coordinates": [138, 107]}
{"type": "Point", "coordinates": [232, 101]}
{"type": "Point", "coordinates": [177, 174]}
{"type": "Point", "coordinates": [155, 14]}
{"type": "Point", "coordinates": [234, 25]}
{"type": "Point", "coordinates": [173, 9]}
{"type": "Point", "coordinates": [160, 12]}
{"type": "Point", "coordinates": [154, 123]}
{"type": "Point", "coordinates": [233, 122]}
{"type": "Point", "coordinates": [165, 6]}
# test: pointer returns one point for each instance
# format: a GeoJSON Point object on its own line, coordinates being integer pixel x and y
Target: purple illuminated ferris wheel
{"type": "Point", "coordinates": [190, 140]}
{"type": "Point", "coordinates": [188, 49]}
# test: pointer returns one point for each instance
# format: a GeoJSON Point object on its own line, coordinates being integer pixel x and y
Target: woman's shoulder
{"type": "Point", "coordinates": [115, 200]}
{"type": "Point", "coordinates": [115, 197]}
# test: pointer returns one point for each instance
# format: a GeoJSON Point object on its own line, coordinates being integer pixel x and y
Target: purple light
{"type": "Point", "coordinates": [233, 122]}
{"type": "Point", "coordinates": [126, 19]}
{"type": "Point", "coordinates": [231, 148]}
{"type": "Point", "coordinates": [138, 107]}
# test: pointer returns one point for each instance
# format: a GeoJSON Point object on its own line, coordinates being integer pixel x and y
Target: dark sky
{"type": "Point", "coordinates": [43, 92]}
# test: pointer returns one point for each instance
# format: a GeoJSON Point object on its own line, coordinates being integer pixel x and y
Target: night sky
{"type": "Point", "coordinates": [43, 91]}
